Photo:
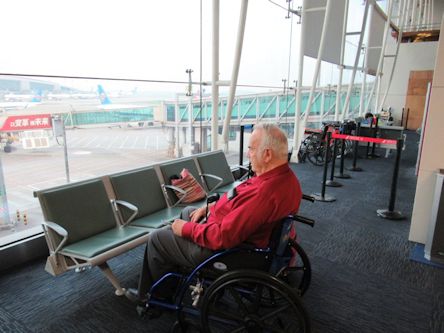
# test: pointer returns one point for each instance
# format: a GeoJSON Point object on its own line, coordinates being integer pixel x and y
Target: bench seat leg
{"type": "Point", "coordinates": [112, 278]}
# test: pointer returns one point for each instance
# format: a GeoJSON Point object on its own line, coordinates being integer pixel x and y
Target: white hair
{"type": "Point", "coordinates": [274, 138]}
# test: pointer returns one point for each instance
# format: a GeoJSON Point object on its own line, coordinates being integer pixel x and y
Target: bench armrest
{"type": "Point", "coordinates": [219, 179]}
{"type": "Point", "coordinates": [116, 203]}
{"type": "Point", "coordinates": [233, 167]}
{"type": "Point", "coordinates": [241, 167]}
{"type": "Point", "coordinates": [174, 188]}
{"type": "Point", "coordinates": [53, 247]}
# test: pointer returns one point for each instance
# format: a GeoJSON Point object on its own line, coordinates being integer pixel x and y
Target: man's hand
{"type": "Point", "coordinates": [177, 227]}
{"type": "Point", "coordinates": [197, 214]}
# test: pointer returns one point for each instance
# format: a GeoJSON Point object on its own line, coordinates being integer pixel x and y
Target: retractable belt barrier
{"type": "Point", "coordinates": [363, 139]}
{"type": "Point", "coordinates": [389, 213]}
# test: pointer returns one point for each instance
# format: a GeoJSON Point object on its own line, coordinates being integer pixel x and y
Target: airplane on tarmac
{"type": "Point", "coordinates": [11, 97]}
{"type": "Point", "coordinates": [11, 105]}
{"type": "Point", "coordinates": [62, 96]}
{"type": "Point", "coordinates": [107, 104]}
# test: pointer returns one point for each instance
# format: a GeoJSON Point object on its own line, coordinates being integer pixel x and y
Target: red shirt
{"type": "Point", "coordinates": [250, 215]}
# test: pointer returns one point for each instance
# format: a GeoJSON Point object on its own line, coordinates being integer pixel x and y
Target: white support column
{"type": "Point", "coordinates": [398, 43]}
{"type": "Point", "coordinates": [432, 4]}
{"type": "Point", "coordinates": [413, 17]}
{"type": "Point", "coordinates": [399, 13]}
{"type": "Point", "coordinates": [407, 15]}
{"type": "Point", "coordinates": [358, 53]}
{"type": "Point", "coordinates": [257, 109]}
{"type": "Point", "coordinates": [431, 13]}
{"type": "Point", "coordinates": [364, 83]}
{"type": "Point", "coordinates": [338, 93]}
{"type": "Point", "coordinates": [322, 102]}
{"type": "Point", "coordinates": [427, 16]}
{"type": "Point", "coordinates": [215, 76]}
{"type": "Point", "coordinates": [235, 72]}
{"type": "Point", "coordinates": [318, 60]}
{"type": "Point", "coordinates": [419, 16]}
{"type": "Point", "coordinates": [176, 133]}
{"type": "Point", "coordinates": [379, 72]}
{"type": "Point", "coordinates": [298, 101]}
{"type": "Point", "coordinates": [404, 9]}
{"type": "Point", "coordinates": [341, 65]}
{"type": "Point", "coordinates": [190, 122]}
{"type": "Point", "coordinates": [278, 107]}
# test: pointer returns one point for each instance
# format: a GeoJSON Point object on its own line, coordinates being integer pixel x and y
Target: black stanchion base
{"type": "Point", "coordinates": [332, 183]}
{"type": "Point", "coordinates": [357, 169]}
{"type": "Point", "coordinates": [325, 198]}
{"type": "Point", "coordinates": [342, 175]}
{"type": "Point", "coordinates": [390, 215]}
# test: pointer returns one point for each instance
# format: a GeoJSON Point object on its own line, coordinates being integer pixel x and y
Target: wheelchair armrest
{"type": "Point", "coordinates": [128, 205]}
{"type": "Point", "coordinates": [303, 219]}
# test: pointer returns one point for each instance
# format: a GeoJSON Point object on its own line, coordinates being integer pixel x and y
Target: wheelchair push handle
{"type": "Point", "coordinates": [303, 219]}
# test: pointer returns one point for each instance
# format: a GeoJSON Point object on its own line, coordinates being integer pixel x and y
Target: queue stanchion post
{"type": "Point", "coordinates": [241, 145]}
{"type": "Point", "coordinates": [331, 182]}
{"type": "Point", "coordinates": [367, 153]}
{"type": "Point", "coordinates": [322, 196]}
{"type": "Point", "coordinates": [355, 150]}
{"type": "Point", "coordinates": [375, 134]}
{"type": "Point", "coordinates": [341, 173]}
{"type": "Point", "coordinates": [407, 118]}
{"type": "Point", "coordinates": [390, 213]}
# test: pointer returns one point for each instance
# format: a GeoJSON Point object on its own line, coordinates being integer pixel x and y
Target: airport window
{"type": "Point", "coordinates": [67, 135]}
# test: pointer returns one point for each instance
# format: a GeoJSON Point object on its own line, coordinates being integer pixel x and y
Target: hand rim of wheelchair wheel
{"type": "Point", "coordinates": [291, 275]}
{"type": "Point", "coordinates": [260, 301]}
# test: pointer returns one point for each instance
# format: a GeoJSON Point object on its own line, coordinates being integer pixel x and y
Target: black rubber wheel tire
{"type": "Point", "coordinates": [253, 301]}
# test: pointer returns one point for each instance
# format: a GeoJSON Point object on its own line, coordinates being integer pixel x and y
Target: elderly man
{"type": "Point", "coordinates": [244, 215]}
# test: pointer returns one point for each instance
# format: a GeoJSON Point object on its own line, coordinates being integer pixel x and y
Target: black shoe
{"type": "Point", "coordinates": [133, 295]}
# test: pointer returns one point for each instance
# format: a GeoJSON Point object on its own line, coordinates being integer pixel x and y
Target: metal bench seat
{"type": "Point", "coordinates": [140, 199]}
{"type": "Point", "coordinates": [82, 229]}
{"type": "Point", "coordinates": [105, 241]}
{"type": "Point", "coordinates": [158, 219]}
{"type": "Point", "coordinates": [216, 172]}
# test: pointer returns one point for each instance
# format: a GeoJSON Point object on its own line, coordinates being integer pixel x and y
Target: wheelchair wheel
{"type": "Point", "coordinates": [252, 301]}
{"type": "Point", "coordinates": [316, 157]}
{"type": "Point", "coordinates": [298, 275]}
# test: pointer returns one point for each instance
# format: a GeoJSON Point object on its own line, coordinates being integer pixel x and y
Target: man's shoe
{"type": "Point", "coordinates": [133, 295]}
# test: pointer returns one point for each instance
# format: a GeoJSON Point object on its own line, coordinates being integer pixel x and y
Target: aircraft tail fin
{"type": "Point", "coordinates": [37, 97]}
{"type": "Point", "coordinates": [104, 99]}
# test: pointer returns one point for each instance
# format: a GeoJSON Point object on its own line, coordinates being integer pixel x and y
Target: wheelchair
{"type": "Point", "coordinates": [244, 289]}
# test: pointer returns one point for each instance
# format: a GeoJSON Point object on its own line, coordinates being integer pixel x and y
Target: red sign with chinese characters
{"type": "Point", "coordinates": [29, 122]}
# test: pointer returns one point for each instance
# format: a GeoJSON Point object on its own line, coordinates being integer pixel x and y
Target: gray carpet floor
{"type": "Point", "coordinates": [362, 279]}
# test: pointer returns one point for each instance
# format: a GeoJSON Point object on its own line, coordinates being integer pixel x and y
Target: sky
{"type": "Point", "coordinates": [150, 40]}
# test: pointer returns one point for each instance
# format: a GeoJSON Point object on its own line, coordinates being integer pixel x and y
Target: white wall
{"type": "Point", "coordinates": [432, 157]}
{"type": "Point", "coordinates": [411, 57]}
